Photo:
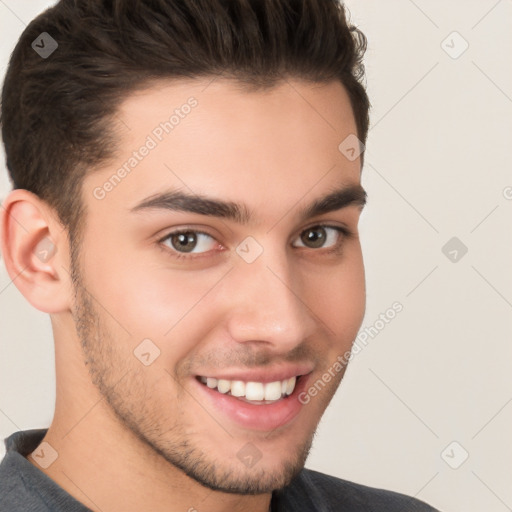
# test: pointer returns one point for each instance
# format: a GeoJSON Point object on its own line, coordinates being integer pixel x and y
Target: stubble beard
{"type": "Point", "coordinates": [124, 396]}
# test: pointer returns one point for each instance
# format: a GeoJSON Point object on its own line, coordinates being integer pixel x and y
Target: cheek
{"type": "Point", "coordinates": [339, 299]}
{"type": "Point", "coordinates": [151, 301]}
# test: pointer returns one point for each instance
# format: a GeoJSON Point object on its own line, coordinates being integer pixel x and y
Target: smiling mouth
{"type": "Point", "coordinates": [257, 393]}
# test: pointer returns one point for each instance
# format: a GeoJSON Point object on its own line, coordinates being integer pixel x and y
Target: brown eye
{"type": "Point", "coordinates": [314, 237]}
{"type": "Point", "coordinates": [319, 237]}
{"type": "Point", "coordinates": [184, 242]}
{"type": "Point", "coordinates": [189, 241]}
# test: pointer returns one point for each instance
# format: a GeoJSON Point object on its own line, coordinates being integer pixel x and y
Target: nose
{"type": "Point", "coordinates": [268, 305]}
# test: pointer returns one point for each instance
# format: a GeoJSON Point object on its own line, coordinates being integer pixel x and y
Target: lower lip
{"type": "Point", "coordinates": [264, 417]}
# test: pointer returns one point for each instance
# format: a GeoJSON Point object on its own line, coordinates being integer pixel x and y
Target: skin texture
{"type": "Point", "coordinates": [135, 437]}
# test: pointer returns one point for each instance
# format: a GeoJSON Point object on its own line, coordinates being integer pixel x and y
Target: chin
{"type": "Point", "coordinates": [250, 471]}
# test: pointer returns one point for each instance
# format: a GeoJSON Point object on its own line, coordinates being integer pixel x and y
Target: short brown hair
{"type": "Point", "coordinates": [57, 111]}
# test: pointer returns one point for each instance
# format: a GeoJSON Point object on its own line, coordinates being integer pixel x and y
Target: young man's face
{"type": "Point", "coordinates": [256, 293]}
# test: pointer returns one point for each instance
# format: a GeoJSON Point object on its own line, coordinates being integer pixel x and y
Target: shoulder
{"type": "Point", "coordinates": [23, 486]}
{"type": "Point", "coordinates": [16, 494]}
{"type": "Point", "coordinates": [312, 491]}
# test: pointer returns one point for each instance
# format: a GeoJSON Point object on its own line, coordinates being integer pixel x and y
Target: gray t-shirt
{"type": "Point", "coordinates": [24, 488]}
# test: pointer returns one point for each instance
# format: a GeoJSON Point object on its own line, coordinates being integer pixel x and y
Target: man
{"type": "Point", "coordinates": [185, 207]}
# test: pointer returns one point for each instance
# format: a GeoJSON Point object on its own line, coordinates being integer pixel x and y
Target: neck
{"type": "Point", "coordinates": [106, 467]}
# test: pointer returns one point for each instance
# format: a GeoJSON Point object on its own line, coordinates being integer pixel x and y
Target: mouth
{"type": "Point", "coordinates": [255, 393]}
{"type": "Point", "coordinates": [264, 401]}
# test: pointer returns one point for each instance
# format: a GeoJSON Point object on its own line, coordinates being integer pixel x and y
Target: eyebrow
{"type": "Point", "coordinates": [352, 195]}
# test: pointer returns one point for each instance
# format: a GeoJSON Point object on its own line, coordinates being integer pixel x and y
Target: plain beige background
{"type": "Point", "coordinates": [426, 407]}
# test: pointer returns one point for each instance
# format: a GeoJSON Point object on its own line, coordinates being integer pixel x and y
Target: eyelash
{"type": "Point", "coordinates": [336, 249]}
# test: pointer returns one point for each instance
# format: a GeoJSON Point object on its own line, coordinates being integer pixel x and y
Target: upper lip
{"type": "Point", "coordinates": [273, 374]}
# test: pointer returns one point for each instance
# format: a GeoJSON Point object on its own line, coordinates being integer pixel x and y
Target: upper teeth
{"type": "Point", "coordinates": [252, 390]}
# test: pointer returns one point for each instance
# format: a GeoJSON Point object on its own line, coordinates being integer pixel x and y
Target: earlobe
{"type": "Point", "coordinates": [34, 249]}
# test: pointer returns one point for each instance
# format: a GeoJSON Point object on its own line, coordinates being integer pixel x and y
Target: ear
{"type": "Point", "coordinates": [34, 245]}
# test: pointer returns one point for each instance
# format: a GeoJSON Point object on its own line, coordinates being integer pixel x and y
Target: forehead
{"type": "Point", "coordinates": [215, 138]}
